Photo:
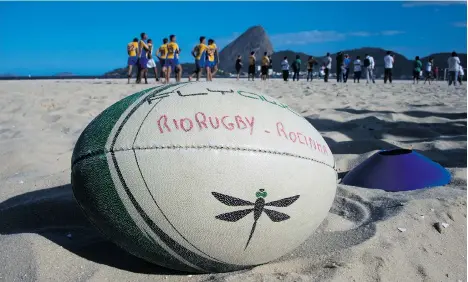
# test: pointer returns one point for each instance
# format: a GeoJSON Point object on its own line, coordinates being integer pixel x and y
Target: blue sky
{"type": "Point", "coordinates": [44, 38]}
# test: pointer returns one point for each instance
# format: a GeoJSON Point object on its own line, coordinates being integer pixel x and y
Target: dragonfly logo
{"type": "Point", "coordinates": [258, 209]}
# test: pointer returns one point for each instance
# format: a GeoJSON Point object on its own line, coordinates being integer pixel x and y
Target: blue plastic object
{"type": "Point", "coordinates": [397, 170]}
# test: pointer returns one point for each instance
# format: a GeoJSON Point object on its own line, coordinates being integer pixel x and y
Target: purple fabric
{"type": "Point", "coordinates": [171, 63]}
{"type": "Point", "coordinates": [144, 62]}
{"type": "Point", "coordinates": [132, 61]}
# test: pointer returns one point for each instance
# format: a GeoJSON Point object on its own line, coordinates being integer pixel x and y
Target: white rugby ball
{"type": "Point", "coordinates": [203, 177]}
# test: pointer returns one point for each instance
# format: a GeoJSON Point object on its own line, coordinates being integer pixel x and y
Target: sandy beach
{"type": "Point", "coordinates": [369, 235]}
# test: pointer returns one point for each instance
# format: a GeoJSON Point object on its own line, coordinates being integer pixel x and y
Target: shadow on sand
{"type": "Point", "coordinates": [366, 134]}
{"type": "Point", "coordinates": [54, 214]}
{"type": "Point", "coordinates": [416, 114]}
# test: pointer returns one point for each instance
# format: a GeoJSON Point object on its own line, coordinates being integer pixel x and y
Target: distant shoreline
{"type": "Point", "coordinates": [152, 78]}
{"type": "Point", "coordinates": [51, 77]}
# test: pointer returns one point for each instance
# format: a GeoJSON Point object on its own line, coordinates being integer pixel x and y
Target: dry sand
{"type": "Point", "coordinates": [45, 237]}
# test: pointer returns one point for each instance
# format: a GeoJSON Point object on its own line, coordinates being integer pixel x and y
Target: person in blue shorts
{"type": "Point", "coordinates": [161, 53]}
{"type": "Point", "coordinates": [172, 59]}
{"type": "Point", "coordinates": [199, 53]}
{"type": "Point", "coordinates": [142, 56]}
{"type": "Point", "coordinates": [211, 62]}
{"type": "Point", "coordinates": [132, 49]}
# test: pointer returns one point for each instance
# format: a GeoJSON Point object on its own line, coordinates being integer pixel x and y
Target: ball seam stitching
{"type": "Point", "coordinates": [210, 147]}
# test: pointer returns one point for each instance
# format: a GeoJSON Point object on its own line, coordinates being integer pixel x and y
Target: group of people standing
{"type": "Point", "coordinates": [266, 68]}
{"type": "Point", "coordinates": [343, 65]}
{"type": "Point", "coordinates": [296, 67]}
{"type": "Point", "coordinates": [140, 55]}
{"type": "Point", "coordinates": [430, 72]}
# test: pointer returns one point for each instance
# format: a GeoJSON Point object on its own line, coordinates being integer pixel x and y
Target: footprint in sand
{"type": "Point", "coordinates": [85, 102]}
{"type": "Point", "coordinates": [351, 221]}
{"type": "Point", "coordinates": [7, 133]}
{"type": "Point", "coordinates": [346, 214]}
{"type": "Point", "coordinates": [81, 110]}
{"type": "Point", "coordinates": [51, 118]}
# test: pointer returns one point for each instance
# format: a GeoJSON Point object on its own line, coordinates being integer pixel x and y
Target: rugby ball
{"type": "Point", "coordinates": [203, 177]}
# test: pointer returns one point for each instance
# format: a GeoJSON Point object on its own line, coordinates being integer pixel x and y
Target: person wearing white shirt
{"type": "Point", "coordinates": [461, 73]}
{"type": "Point", "coordinates": [388, 60]}
{"type": "Point", "coordinates": [369, 68]}
{"type": "Point", "coordinates": [428, 70]}
{"type": "Point", "coordinates": [454, 68]}
{"type": "Point", "coordinates": [357, 69]}
{"type": "Point", "coordinates": [327, 63]}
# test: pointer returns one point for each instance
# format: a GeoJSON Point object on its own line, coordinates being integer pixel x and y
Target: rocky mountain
{"type": "Point", "coordinates": [253, 39]}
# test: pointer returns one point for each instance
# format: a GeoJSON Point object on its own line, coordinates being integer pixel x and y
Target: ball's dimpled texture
{"type": "Point", "coordinates": [203, 177]}
{"type": "Point", "coordinates": [96, 194]}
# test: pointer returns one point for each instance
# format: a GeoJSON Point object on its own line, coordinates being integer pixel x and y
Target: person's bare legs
{"type": "Point", "coordinates": [191, 76]}
{"type": "Point", "coordinates": [215, 70]}
{"type": "Point", "coordinates": [428, 79]}
{"type": "Point", "coordinates": [179, 74]}
{"type": "Point", "coordinates": [163, 78]}
{"type": "Point", "coordinates": [140, 75]}
{"type": "Point", "coordinates": [145, 75]}
{"type": "Point", "coordinates": [196, 73]}
{"type": "Point", "coordinates": [155, 70]}
{"type": "Point", "coordinates": [168, 74]}
{"type": "Point", "coordinates": [138, 78]}
{"type": "Point", "coordinates": [208, 74]}
{"type": "Point", "coordinates": [129, 75]}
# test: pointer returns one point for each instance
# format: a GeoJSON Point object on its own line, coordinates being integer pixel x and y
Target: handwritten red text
{"type": "Point", "coordinates": [300, 138]}
{"type": "Point", "coordinates": [200, 121]}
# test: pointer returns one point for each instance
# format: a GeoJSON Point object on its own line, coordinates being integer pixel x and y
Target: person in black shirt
{"type": "Point", "coordinates": [296, 66]}
{"type": "Point", "coordinates": [339, 71]}
{"type": "Point", "coordinates": [252, 61]}
{"type": "Point", "coordinates": [310, 68]}
{"type": "Point", "coordinates": [238, 65]}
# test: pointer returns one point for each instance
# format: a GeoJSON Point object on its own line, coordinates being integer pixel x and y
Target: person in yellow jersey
{"type": "Point", "coordinates": [132, 60]}
{"type": "Point", "coordinates": [199, 53]}
{"type": "Point", "coordinates": [142, 56]}
{"type": "Point", "coordinates": [172, 59]}
{"type": "Point", "coordinates": [265, 64]}
{"type": "Point", "coordinates": [211, 63]}
{"type": "Point", "coordinates": [216, 58]}
{"type": "Point", "coordinates": [162, 54]}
